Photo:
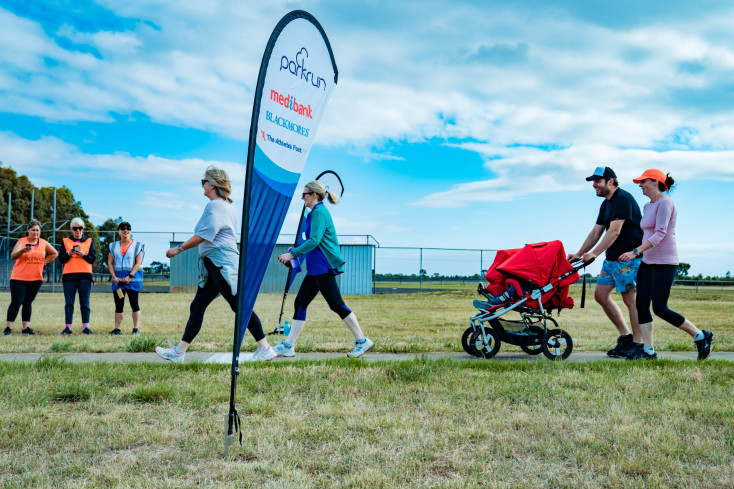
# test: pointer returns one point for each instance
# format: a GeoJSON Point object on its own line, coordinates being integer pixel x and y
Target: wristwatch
{"type": "Point", "coordinates": [637, 253]}
{"type": "Point", "coordinates": [180, 247]}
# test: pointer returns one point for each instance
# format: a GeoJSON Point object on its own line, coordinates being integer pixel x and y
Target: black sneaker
{"type": "Point", "coordinates": [7, 331]}
{"type": "Point", "coordinates": [115, 332]}
{"type": "Point", "coordinates": [87, 331]}
{"type": "Point", "coordinates": [27, 332]}
{"type": "Point", "coordinates": [634, 352]}
{"type": "Point", "coordinates": [704, 345]}
{"type": "Point", "coordinates": [136, 332]}
{"type": "Point", "coordinates": [66, 330]}
{"type": "Point", "coordinates": [623, 344]}
{"type": "Point", "coordinates": [647, 356]}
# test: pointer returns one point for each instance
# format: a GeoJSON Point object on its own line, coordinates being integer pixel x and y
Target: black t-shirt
{"type": "Point", "coordinates": [621, 206]}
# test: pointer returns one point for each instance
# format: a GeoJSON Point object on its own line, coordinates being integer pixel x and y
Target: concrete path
{"type": "Point", "coordinates": [226, 358]}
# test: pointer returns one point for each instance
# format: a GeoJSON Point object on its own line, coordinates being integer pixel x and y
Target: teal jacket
{"type": "Point", "coordinates": [323, 236]}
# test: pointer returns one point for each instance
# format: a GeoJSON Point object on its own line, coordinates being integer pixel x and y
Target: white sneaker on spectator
{"type": "Point", "coordinates": [263, 355]}
{"type": "Point", "coordinates": [360, 348]}
{"type": "Point", "coordinates": [284, 351]}
{"type": "Point", "coordinates": [170, 354]}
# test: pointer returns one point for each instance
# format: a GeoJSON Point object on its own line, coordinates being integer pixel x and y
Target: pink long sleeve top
{"type": "Point", "coordinates": [658, 227]}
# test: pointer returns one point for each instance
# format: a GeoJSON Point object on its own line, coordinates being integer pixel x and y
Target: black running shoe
{"type": "Point", "coordinates": [66, 330]}
{"type": "Point", "coordinates": [623, 344]}
{"type": "Point", "coordinates": [136, 332]}
{"type": "Point", "coordinates": [7, 331]}
{"type": "Point", "coordinates": [87, 331]}
{"type": "Point", "coordinates": [27, 332]}
{"type": "Point", "coordinates": [647, 356]}
{"type": "Point", "coordinates": [115, 332]}
{"type": "Point", "coordinates": [704, 345]}
{"type": "Point", "coordinates": [634, 352]}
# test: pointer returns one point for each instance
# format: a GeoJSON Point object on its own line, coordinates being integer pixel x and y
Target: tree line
{"type": "Point", "coordinates": [21, 194]}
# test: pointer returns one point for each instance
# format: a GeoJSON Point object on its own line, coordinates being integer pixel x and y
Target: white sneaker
{"type": "Point", "coordinates": [359, 349]}
{"type": "Point", "coordinates": [170, 354]}
{"type": "Point", "coordinates": [263, 355]}
{"type": "Point", "coordinates": [283, 351]}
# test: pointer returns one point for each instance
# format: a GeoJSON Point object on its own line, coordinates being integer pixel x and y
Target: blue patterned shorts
{"type": "Point", "coordinates": [621, 274]}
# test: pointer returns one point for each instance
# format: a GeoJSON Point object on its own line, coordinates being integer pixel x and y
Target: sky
{"type": "Point", "coordinates": [454, 124]}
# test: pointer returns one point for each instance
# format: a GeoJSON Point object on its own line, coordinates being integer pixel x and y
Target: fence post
{"type": "Point", "coordinates": [420, 273]}
{"type": "Point", "coordinates": [696, 286]}
{"type": "Point", "coordinates": [10, 201]}
{"type": "Point", "coordinates": [53, 264]}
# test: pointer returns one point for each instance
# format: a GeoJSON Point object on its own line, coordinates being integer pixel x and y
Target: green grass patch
{"type": "Point", "coordinates": [421, 423]}
{"type": "Point", "coordinates": [142, 343]}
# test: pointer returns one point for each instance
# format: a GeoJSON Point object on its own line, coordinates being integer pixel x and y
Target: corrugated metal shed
{"type": "Point", "coordinates": [356, 279]}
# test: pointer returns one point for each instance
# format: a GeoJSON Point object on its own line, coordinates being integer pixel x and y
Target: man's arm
{"type": "Point", "coordinates": [590, 241]}
{"type": "Point", "coordinates": [615, 227]}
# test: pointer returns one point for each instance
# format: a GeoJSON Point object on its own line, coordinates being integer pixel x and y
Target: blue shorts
{"type": "Point", "coordinates": [621, 274]}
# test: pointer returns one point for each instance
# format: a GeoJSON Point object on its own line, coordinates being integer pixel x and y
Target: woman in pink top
{"type": "Point", "coordinates": [660, 264]}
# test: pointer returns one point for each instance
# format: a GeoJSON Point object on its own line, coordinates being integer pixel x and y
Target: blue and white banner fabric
{"type": "Point", "coordinates": [297, 76]}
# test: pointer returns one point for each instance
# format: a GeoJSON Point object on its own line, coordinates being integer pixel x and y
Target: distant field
{"type": "Point", "coordinates": [428, 322]}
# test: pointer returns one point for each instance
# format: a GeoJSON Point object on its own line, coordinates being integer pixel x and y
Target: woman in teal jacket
{"type": "Point", "coordinates": [324, 262]}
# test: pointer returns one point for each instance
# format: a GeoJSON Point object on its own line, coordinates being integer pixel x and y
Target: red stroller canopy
{"type": "Point", "coordinates": [537, 263]}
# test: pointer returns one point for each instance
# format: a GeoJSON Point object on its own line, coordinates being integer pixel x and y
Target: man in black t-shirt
{"type": "Point", "coordinates": [619, 223]}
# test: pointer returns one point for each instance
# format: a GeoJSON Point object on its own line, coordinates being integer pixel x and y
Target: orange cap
{"type": "Point", "coordinates": [653, 174]}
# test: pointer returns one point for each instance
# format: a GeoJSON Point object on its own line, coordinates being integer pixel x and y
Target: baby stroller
{"type": "Point", "coordinates": [541, 276]}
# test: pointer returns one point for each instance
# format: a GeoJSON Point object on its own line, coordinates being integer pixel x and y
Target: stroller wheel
{"type": "Point", "coordinates": [467, 344]}
{"type": "Point", "coordinates": [537, 349]}
{"type": "Point", "coordinates": [488, 349]}
{"type": "Point", "coordinates": [557, 344]}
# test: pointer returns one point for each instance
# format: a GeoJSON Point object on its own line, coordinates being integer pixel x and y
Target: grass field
{"type": "Point", "coordinates": [379, 425]}
{"type": "Point", "coordinates": [349, 423]}
{"type": "Point", "coordinates": [428, 322]}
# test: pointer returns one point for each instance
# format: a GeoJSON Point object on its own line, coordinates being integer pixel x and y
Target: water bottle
{"type": "Point", "coordinates": [287, 328]}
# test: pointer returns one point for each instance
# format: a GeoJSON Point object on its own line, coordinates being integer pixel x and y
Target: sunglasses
{"type": "Point", "coordinates": [203, 182]}
{"type": "Point", "coordinates": [125, 228]}
{"type": "Point", "coordinates": [306, 193]}
{"type": "Point", "coordinates": [77, 228]}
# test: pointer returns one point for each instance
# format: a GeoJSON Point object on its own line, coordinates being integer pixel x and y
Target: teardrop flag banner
{"type": "Point", "coordinates": [297, 76]}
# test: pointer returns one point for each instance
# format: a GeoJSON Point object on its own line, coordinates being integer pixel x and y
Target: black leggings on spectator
{"type": "Point", "coordinates": [215, 285]}
{"type": "Point", "coordinates": [653, 285]}
{"type": "Point", "coordinates": [22, 293]}
{"type": "Point", "coordinates": [132, 297]}
{"type": "Point", "coordinates": [312, 285]}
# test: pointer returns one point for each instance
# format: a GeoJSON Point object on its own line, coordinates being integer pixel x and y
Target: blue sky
{"type": "Point", "coordinates": [454, 124]}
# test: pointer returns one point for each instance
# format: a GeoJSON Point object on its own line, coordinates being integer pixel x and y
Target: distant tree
{"type": "Point", "coordinates": [423, 273]}
{"type": "Point", "coordinates": [21, 189]}
{"type": "Point", "coordinates": [683, 269]}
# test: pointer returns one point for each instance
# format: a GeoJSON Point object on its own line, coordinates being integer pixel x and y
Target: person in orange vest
{"type": "Point", "coordinates": [77, 257]}
{"type": "Point", "coordinates": [31, 254]}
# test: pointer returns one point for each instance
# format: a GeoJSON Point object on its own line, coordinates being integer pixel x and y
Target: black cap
{"type": "Point", "coordinates": [602, 172]}
{"type": "Point", "coordinates": [124, 223]}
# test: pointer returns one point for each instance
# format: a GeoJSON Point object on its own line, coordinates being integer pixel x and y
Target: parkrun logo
{"type": "Point", "coordinates": [286, 124]}
{"type": "Point", "coordinates": [297, 68]}
{"type": "Point", "coordinates": [289, 102]}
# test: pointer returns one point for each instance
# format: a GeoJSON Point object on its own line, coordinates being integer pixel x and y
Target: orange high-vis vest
{"type": "Point", "coordinates": [77, 264]}
{"type": "Point", "coordinates": [29, 266]}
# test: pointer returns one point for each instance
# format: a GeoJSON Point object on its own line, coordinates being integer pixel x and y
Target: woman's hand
{"type": "Point", "coordinates": [126, 280]}
{"type": "Point", "coordinates": [588, 256]}
{"type": "Point", "coordinates": [285, 258]}
{"type": "Point", "coordinates": [116, 280]}
{"type": "Point", "coordinates": [173, 252]}
{"type": "Point", "coordinates": [627, 256]}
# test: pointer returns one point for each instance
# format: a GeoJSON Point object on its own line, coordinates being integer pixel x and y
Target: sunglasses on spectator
{"type": "Point", "coordinates": [306, 193]}
{"type": "Point", "coordinates": [77, 228]}
{"type": "Point", "coordinates": [203, 182]}
{"type": "Point", "coordinates": [125, 228]}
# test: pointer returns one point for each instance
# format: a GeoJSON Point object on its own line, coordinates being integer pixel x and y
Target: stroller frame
{"type": "Point", "coordinates": [485, 341]}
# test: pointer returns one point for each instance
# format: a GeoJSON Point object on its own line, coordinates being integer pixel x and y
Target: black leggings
{"type": "Point", "coordinates": [132, 297]}
{"type": "Point", "coordinates": [312, 285]}
{"type": "Point", "coordinates": [215, 285]}
{"type": "Point", "coordinates": [22, 293]}
{"type": "Point", "coordinates": [653, 285]}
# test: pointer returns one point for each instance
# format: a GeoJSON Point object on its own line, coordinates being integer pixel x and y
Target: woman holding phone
{"type": "Point", "coordinates": [78, 256]}
{"type": "Point", "coordinates": [31, 254]}
{"type": "Point", "coordinates": [125, 264]}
